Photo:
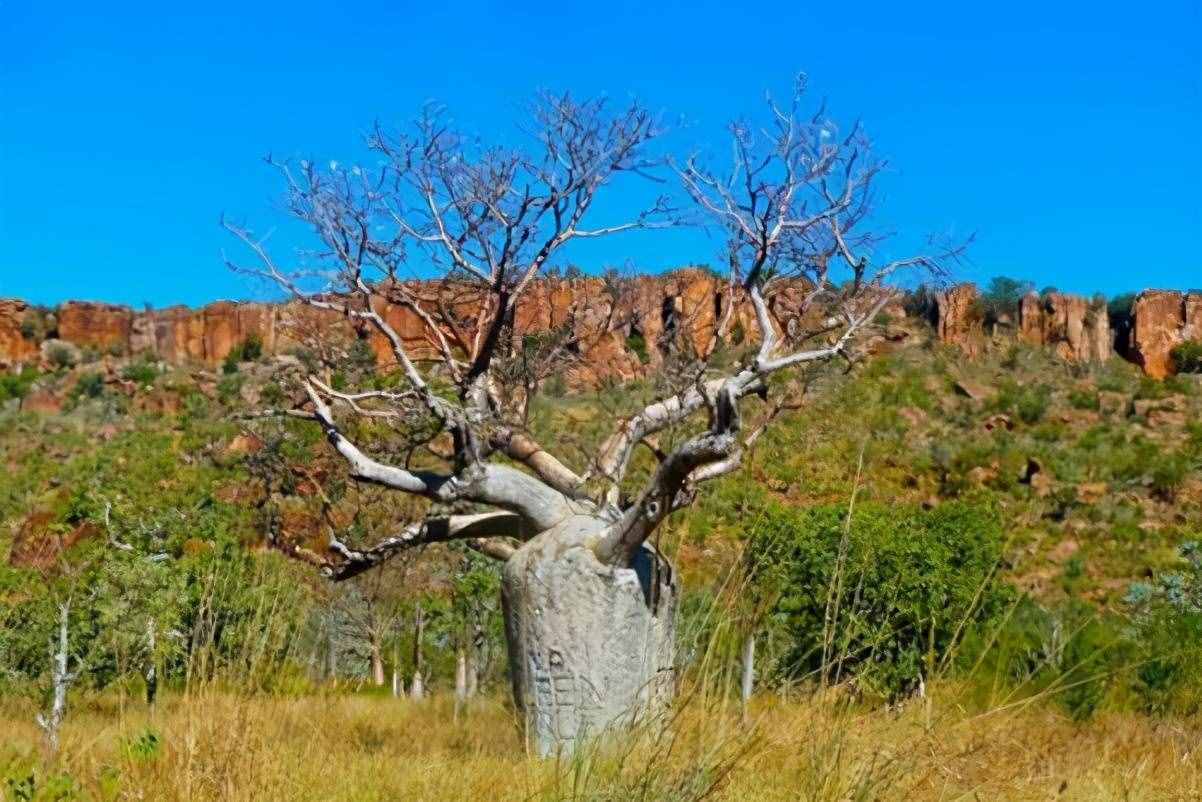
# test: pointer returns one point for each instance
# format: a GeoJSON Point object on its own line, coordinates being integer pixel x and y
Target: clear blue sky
{"type": "Point", "coordinates": [1068, 136]}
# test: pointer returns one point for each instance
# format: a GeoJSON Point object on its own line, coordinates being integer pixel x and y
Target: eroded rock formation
{"type": "Point", "coordinates": [15, 347]}
{"type": "Point", "coordinates": [959, 319]}
{"type": "Point", "coordinates": [1162, 320]}
{"type": "Point", "coordinates": [1069, 324]}
{"type": "Point", "coordinates": [620, 330]}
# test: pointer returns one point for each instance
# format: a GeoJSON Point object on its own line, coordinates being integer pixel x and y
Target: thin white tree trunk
{"type": "Point", "coordinates": [377, 664]}
{"type": "Point", "coordinates": [748, 684]}
{"type": "Point", "coordinates": [460, 675]}
{"type": "Point", "coordinates": [331, 651]}
{"type": "Point", "coordinates": [417, 689]}
{"type": "Point", "coordinates": [60, 678]}
{"type": "Point", "coordinates": [473, 671]}
{"type": "Point", "coordinates": [151, 676]}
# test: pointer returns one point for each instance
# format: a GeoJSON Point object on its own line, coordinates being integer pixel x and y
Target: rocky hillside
{"type": "Point", "coordinates": [1097, 467]}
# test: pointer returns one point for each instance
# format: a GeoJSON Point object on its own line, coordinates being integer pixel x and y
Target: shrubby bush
{"type": "Point", "coordinates": [1167, 629]}
{"type": "Point", "coordinates": [249, 350]}
{"type": "Point", "coordinates": [1188, 357]}
{"type": "Point", "coordinates": [885, 598]}
{"type": "Point", "coordinates": [16, 385]}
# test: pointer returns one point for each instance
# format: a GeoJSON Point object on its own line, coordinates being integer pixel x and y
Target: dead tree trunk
{"type": "Point", "coordinates": [475, 660]}
{"type": "Point", "coordinates": [417, 689]}
{"type": "Point", "coordinates": [60, 679]}
{"type": "Point", "coordinates": [151, 675]}
{"type": "Point", "coordinates": [591, 645]}
{"type": "Point", "coordinates": [377, 663]}
{"type": "Point", "coordinates": [460, 679]}
{"type": "Point", "coordinates": [748, 684]}
{"type": "Point", "coordinates": [397, 690]}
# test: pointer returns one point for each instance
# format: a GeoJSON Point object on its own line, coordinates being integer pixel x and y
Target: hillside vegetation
{"type": "Point", "coordinates": [973, 577]}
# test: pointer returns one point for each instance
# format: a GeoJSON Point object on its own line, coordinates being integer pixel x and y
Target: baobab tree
{"type": "Point", "coordinates": [589, 601]}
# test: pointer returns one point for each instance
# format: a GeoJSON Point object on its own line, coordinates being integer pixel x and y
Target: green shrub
{"type": "Point", "coordinates": [887, 603]}
{"type": "Point", "coordinates": [143, 372]}
{"type": "Point", "coordinates": [1033, 403]}
{"type": "Point", "coordinates": [249, 350]}
{"type": "Point", "coordinates": [89, 385]}
{"type": "Point", "coordinates": [1003, 295]}
{"type": "Point", "coordinates": [60, 356]}
{"type": "Point", "coordinates": [1167, 474]}
{"type": "Point", "coordinates": [1188, 357]}
{"type": "Point", "coordinates": [229, 387]}
{"type": "Point", "coordinates": [16, 385]}
{"type": "Point", "coordinates": [1084, 399]}
{"type": "Point", "coordinates": [1167, 629]}
{"type": "Point", "coordinates": [638, 346]}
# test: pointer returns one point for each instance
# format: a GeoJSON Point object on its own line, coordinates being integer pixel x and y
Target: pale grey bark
{"type": "Point", "coordinates": [417, 687]}
{"type": "Point", "coordinates": [60, 680]}
{"type": "Point", "coordinates": [747, 686]}
{"type": "Point", "coordinates": [460, 676]}
{"type": "Point", "coordinates": [591, 644]}
{"type": "Point", "coordinates": [150, 673]}
{"type": "Point", "coordinates": [377, 664]}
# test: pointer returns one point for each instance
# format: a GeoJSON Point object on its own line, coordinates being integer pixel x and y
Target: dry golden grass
{"type": "Point", "coordinates": [217, 746]}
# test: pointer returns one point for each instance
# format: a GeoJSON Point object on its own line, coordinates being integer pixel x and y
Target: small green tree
{"type": "Point", "coordinates": [1003, 295]}
{"type": "Point", "coordinates": [885, 597]}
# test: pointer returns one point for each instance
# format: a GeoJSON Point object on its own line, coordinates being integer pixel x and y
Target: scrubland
{"type": "Point", "coordinates": [1023, 617]}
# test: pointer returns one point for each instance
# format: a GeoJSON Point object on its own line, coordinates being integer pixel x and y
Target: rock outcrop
{"type": "Point", "coordinates": [103, 327]}
{"type": "Point", "coordinates": [619, 329]}
{"type": "Point", "coordinates": [959, 319]}
{"type": "Point", "coordinates": [15, 347]}
{"type": "Point", "coordinates": [1069, 324]}
{"type": "Point", "coordinates": [1162, 320]}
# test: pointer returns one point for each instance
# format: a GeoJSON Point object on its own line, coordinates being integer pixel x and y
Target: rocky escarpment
{"type": "Point", "coordinates": [1078, 329]}
{"type": "Point", "coordinates": [619, 329]}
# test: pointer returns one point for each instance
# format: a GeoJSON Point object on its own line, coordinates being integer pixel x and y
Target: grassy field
{"type": "Point", "coordinates": [219, 746]}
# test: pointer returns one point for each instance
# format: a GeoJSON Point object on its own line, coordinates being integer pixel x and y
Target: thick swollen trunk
{"type": "Point", "coordinates": [591, 646]}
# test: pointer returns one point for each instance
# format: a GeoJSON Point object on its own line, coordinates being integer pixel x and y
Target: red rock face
{"type": "Point", "coordinates": [1192, 330]}
{"type": "Point", "coordinates": [1066, 323]}
{"type": "Point", "coordinates": [959, 320]}
{"type": "Point", "coordinates": [14, 348]}
{"type": "Point", "coordinates": [38, 543]}
{"type": "Point", "coordinates": [1159, 326]}
{"type": "Point", "coordinates": [104, 327]}
{"type": "Point", "coordinates": [688, 311]}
